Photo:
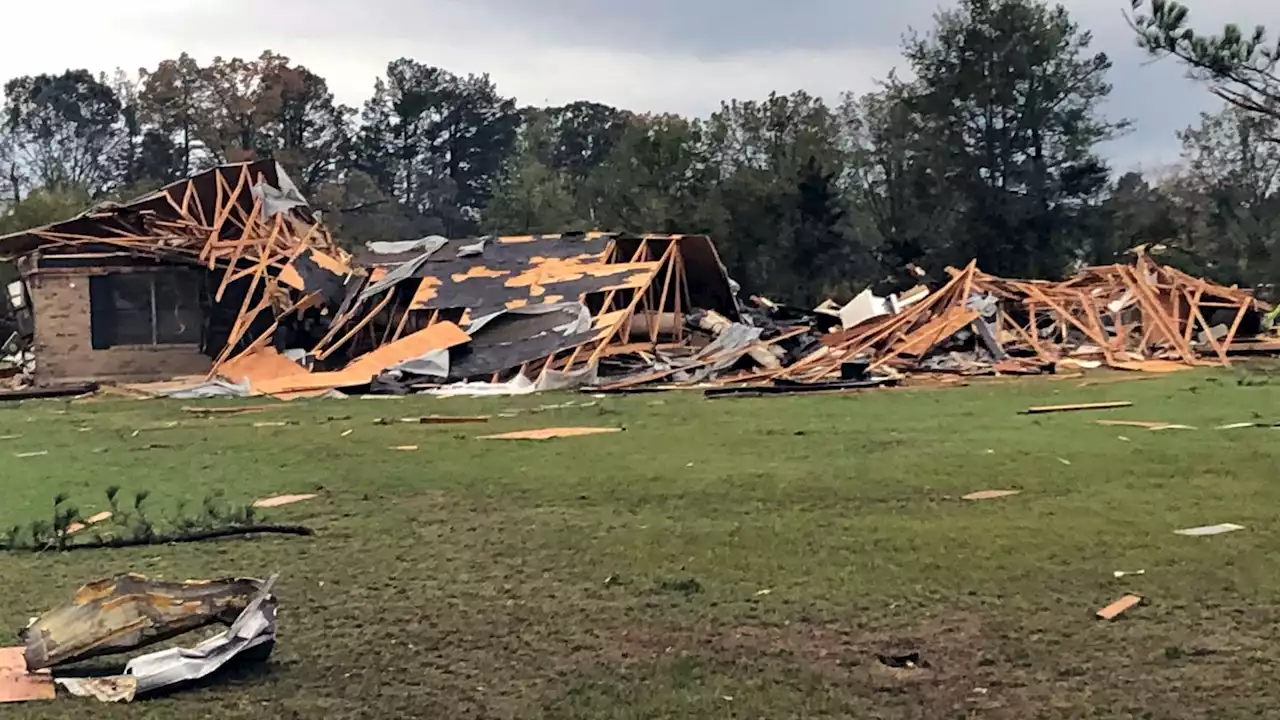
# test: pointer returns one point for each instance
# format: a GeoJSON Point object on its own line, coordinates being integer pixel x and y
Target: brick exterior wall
{"type": "Point", "coordinates": [63, 341]}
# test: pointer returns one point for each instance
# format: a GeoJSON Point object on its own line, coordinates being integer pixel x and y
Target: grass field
{"type": "Point", "coordinates": [744, 558]}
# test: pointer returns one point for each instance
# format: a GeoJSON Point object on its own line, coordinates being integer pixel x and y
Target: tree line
{"type": "Point", "coordinates": [987, 149]}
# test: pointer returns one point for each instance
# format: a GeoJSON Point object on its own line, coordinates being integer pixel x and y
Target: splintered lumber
{"type": "Point", "coordinates": [1113, 610]}
{"type": "Point", "coordinates": [1043, 409]}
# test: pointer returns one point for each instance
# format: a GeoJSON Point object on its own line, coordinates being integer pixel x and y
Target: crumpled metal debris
{"type": "Point", "coordinates": [111, 689]}
{"type": "Point", "coordinates": [254, 629]}
{"type": "Point", "coordinates": [131, 611]}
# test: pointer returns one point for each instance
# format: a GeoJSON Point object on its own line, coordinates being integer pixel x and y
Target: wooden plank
{"type": "Point", "coordinates": [1042, 409]}
{"type": "Point", "coordinates": [1113, 610]}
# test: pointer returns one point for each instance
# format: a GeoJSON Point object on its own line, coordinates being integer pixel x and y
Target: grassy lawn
{"type": "Point", "coordinates": [743, 558]}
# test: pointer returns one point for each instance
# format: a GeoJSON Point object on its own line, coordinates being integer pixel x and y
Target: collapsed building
{"type": "Point", "coordinates": [229, 281]}
{"type": "Point", "coordinates": [230, 274]}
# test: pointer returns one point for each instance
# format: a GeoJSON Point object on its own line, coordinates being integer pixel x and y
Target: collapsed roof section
{"type": "Point", "coordinates": [1140, 316]}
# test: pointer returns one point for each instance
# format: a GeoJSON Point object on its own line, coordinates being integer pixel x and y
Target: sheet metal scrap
{"type": "Point", "coordinates": [131, 611]}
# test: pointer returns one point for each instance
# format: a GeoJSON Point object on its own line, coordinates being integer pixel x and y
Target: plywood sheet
{"type": "Point", "coordinates": [549, 433]}
{"type": "Point", "coordinates": [281, 500]}
{"type": "Point", "coordinates": [260, 365]}
{"type": "Point", "coordinates": [440, 336]}
{"type": "Point", "coordinates": [18, 685]}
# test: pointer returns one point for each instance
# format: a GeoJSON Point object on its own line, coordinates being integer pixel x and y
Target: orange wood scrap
{"type": "Point", "coordinates": [76, 527]}
{"type": "Point", "coordinates": [19, 685]}
{"type": "Point", "coordinates": [549, 433]}
{"type": "Point", "coordinates": [362, 370]}
{"type": "Point", "coordinates": [1113, 610]}
{"type": "Point", "coordinates": [280, 500]}
{"type": "Point", "coordinates": [440, 336]}
{"type": "Point", "coordinates": [261, 365]}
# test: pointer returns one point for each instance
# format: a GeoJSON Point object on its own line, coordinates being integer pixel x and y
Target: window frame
{"type": "Point", "coordinates": [106, 293]}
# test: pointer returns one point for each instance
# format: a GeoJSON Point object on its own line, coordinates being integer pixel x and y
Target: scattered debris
{"type": "Point", "coordinates": [990, 494]}
{"type": "Point", "coordinates": [281, 500]}
{"type": "Point", "coordinates": [549, 433]}
{"type": "Point", "coordinates": [1113, 610]}
{"type": "Point", "coordinates": [1210, 530]}
{"type": "Point", "coordinates": [1075, 408]}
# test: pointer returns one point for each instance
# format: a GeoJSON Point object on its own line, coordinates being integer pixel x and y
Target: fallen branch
{"type": "Point", "coordinates": [173, 538]}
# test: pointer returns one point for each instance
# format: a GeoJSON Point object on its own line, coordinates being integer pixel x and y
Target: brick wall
{"type": "Point", "coordinates": [63, 343]}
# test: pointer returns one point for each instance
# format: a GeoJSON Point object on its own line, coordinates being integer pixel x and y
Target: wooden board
{"type": "Point", "coordinates": [549, 433]}
{"type": "Point", "coordinates": [18, 685]}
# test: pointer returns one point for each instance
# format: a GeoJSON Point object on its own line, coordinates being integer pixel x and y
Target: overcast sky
{"type": "Point", "coordinates": [654, 55]}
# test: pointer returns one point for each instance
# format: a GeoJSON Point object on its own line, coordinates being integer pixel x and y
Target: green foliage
{"type": "Point", "coordinates": [1004, 110]}
{"type": "Point", "coordinates": [989, 151]}
{"type": "Point", "coordinates": [1242, 65]}
{"type": "Point", "coordinates": [130, 525]}
{"type": "Point", "coordinates": [42, 207]}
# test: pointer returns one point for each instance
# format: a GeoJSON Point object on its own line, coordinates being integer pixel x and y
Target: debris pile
{"type": "Point", "coordinates": [284, 311]}
{"type": "Point", "coordinates": [1141, 317]}
{"type": "Point", "coordinates": [121, 614]}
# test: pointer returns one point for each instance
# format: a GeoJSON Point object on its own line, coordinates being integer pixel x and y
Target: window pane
{"type": "Point", "coordinates": [131, 298]}
{"type": "Point", "coordinates": [178, 316]}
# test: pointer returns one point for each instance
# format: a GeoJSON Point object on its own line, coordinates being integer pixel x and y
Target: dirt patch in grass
{"type": "Point", "coordinates": [935, 666]}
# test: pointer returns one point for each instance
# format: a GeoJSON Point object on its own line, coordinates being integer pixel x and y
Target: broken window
{"type": "Point", "coordinates": [145, 309]}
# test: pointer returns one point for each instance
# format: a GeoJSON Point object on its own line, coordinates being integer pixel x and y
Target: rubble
{"type": "Point", "coordinates": [245, 291]}
{"type": "Point", "coordinates": [128, 612]}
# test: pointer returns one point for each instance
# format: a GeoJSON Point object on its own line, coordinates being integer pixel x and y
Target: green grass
{"type": "Point", "coordinates": [468, 579]}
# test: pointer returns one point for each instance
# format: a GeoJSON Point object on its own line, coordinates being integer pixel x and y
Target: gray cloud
{"type": "Point", "coordinates": [657, 55]}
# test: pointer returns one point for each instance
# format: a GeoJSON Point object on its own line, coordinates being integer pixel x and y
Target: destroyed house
{"type": "Point", "coordinates": [128, 290]}
{"type": "Point", "coordinates": [229, 274]}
